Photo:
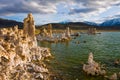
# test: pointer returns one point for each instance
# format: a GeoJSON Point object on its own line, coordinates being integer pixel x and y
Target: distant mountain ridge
{"type": "Point", "coordinates": [72, 25]}
{"type": "Point", "coordinates": [108, 24]}
{"type": "Point", "coordinates": [112, 22]}
{"type": "Point", "coordinates": [91, 23]}
{"type": "Point", "coordinates": [65, 21]}
{"type": "Point", "coordinates": [9, 23]}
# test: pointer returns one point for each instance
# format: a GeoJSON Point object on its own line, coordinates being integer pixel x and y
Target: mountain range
{"type": "Point", "coordinates": [9, 23]}
{"type": "Point", "coordinates": [108, 24]}
{"type": "Point", "coordinates": [112, 22]}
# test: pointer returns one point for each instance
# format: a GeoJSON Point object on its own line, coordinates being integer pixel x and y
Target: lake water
{"type": "Point", "coordinates": [70, 56]}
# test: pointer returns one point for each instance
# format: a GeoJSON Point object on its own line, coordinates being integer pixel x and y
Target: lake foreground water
{"type": "Point", "coordinates": [70, 56]}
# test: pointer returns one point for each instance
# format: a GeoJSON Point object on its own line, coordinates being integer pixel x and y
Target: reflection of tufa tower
{"type": "Point", "coordinates": [29, 27]}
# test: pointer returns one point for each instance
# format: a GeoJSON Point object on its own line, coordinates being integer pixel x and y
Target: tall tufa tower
{"type": "Point", "coordinates": [29, 27]}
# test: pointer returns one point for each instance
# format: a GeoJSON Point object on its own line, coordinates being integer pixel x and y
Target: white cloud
{"type": "Point", "coordinates": [50, 6]}
{"type": "Point", "coordinates": [93, 7]}
{"type": "Point", "coordinates": [84, 9]}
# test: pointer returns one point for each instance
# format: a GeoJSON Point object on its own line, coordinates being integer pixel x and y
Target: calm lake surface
{"type": "Point", "coordinates": [70, 56]}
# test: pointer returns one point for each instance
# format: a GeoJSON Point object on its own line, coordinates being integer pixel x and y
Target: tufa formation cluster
{"type": "Point", "coordinates": [20, 57]}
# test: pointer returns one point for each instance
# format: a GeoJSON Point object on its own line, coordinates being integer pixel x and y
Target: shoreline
{"type": "Point", "coordinates": [60, 30]}
{"type": "Point", "coordinates": [20, 56]}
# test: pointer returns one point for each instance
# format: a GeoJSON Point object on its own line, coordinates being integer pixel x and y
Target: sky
{"type": "Point", "coordinates": [54, 11]}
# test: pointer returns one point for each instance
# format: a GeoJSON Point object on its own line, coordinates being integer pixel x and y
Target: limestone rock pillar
{"type": "Point", "coordinates": [50, 30]}
{"type": "Point", "coordinates": [68, 32]}
{"type": "Point", "coordinates": [29, 27]}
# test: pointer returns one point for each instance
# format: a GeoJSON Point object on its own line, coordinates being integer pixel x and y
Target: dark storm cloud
{"type": "Point", "coordinates": [26, 6]}
{"type": "Point", "coordinates": [84, 10]}
{"type": "Point", "coordinates": [93, 6]}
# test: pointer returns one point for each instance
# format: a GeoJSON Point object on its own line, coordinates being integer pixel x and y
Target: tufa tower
{"type": "Point", "coordinates": [29, 27]}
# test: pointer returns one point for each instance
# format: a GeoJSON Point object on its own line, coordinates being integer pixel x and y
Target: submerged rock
{"type": "Point", "coordinates": [117, 62]}
{"type": "Point", "coordinates": [113, 77]}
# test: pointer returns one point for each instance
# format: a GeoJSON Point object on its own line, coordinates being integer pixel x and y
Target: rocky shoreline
{"type": "Point", "coordinates": [20, 56]}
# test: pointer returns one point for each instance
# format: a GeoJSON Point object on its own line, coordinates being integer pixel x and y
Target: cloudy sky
{"type": "Point", "coordinates": [47, 11]}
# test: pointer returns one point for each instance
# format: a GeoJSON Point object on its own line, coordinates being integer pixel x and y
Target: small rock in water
{"type": "Point", "coordinates": [117, 61]}
{"type": "Point", "coordinates": [84, 41]}
{"type": "Point", "coordinates": [113, 77]}
{"type": "Point", "coordinates": [93, 68]}
{"type": "Point", "coordinates": [76, 79]}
